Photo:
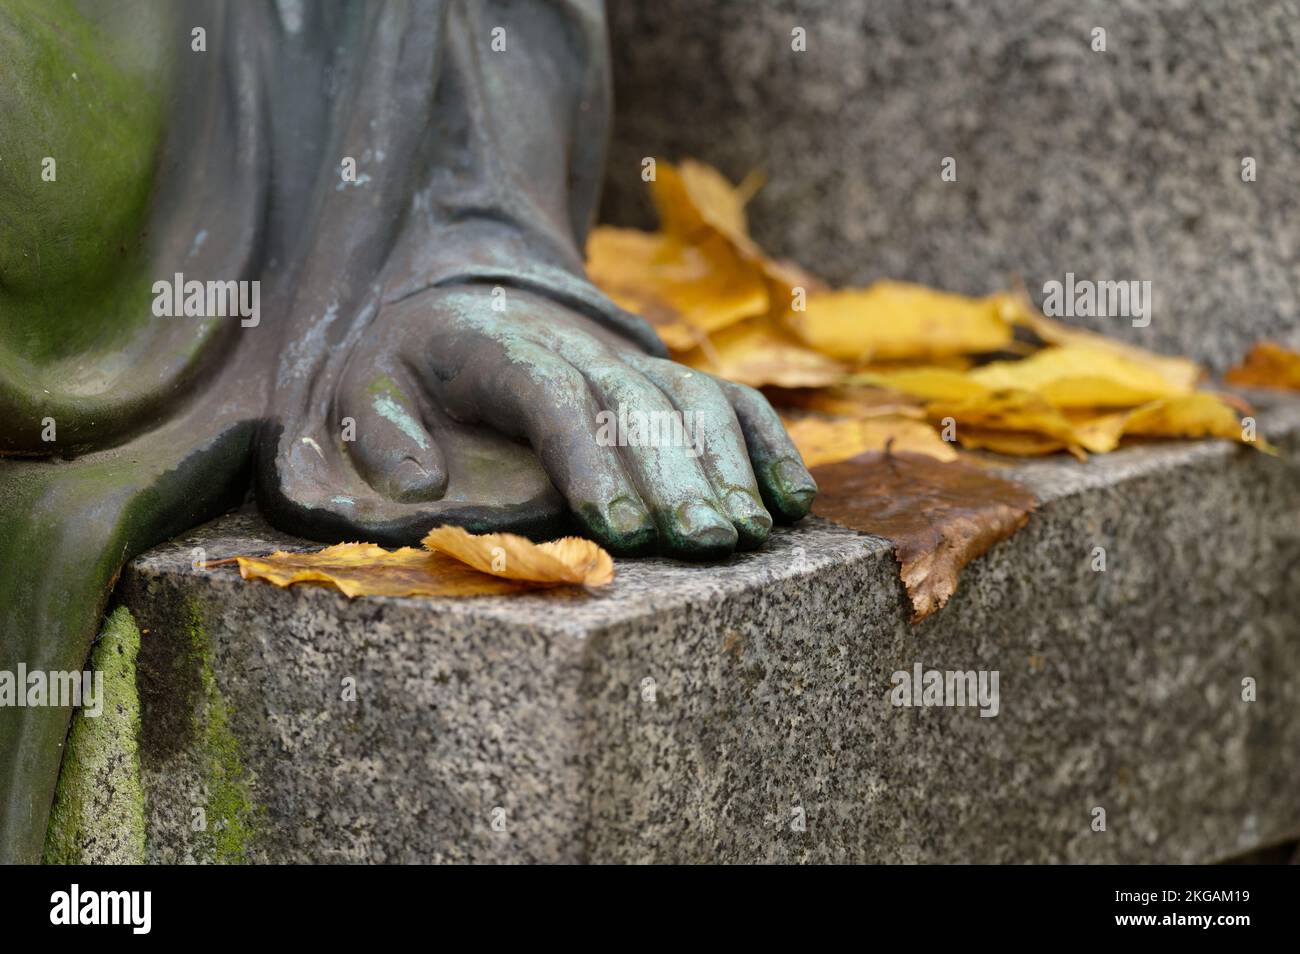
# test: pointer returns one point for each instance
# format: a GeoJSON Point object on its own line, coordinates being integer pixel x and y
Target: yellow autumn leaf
{"type": "Point", "coordinates": [1268, 365]}
{"type": "Point", "coordinates": [1008, 411]}
{"type": "Point", "coordinates": [365, 569]}
{"type": "Point", "coordinates": [1014, 443]}
{"type": "Point", "coordinates": [757, 353]}
{"type": "Point", "coordinates": [505, 555]}
{"type": "Point", "coordinates": [896, 320]}
{"type": "Point", "coordinates": [926, 383]}
{"type": "Point", "coordinates": [823, 441]}
{"type": "Point", "coordinates": [1077, 375]}
{"type": "Point", "coordinates": [683, 290]}
{"type": "Point", "coordinates": [1192, 415]}
{"type": "Point", "coordinates": [693, 198]}
{"type": "Point", "coordinates": [1182, 373]}
{"type": "Point", "coordinates": [695, 202]}
{"type": "Point", "coordinates": [856, 402]}
{"type": "Point", "coordinates": [455, 563]}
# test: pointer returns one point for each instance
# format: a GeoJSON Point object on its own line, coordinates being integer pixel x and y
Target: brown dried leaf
{"type": "Point", "coordinates": [939, 516]}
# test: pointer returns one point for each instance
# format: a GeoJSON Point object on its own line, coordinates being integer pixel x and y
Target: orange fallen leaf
{"type": "Point", "coordinates": [925, 382]}
{"type": "Point", "coordinates": [505, 555]}
{"type": "Point", "coordinates": [1012, 410]}
{"type": "Point", "coordinates": [456, 563]}
{"type": "Point", "coordinates": [939, 516]}
{"type": "Point", "coordinates": [365, 569]}
{"type": "Point", "coordinates": [693, 198]}
{"type": "Point", "coordinates": [1268, 365]}
{"type": "Point", "coordinates": [724, 306]}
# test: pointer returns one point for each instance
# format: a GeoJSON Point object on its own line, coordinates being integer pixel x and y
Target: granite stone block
{"type": "Point", "coordinates": [742, 711]}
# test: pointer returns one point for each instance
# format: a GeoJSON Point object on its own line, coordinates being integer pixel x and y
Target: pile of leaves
{"type": "Point", "coordinates": [879, 386]}
{"type": "Point", "coordinates": [853, 369]}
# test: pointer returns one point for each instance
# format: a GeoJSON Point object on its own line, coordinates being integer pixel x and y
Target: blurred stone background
{"type": "Point", "coordinates": [1123, 164]}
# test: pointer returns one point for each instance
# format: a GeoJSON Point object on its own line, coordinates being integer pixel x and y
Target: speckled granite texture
{"type": "Point", "coordinates": [1117, 165]}
{"type": "Point", "coordinates": [740, 712]}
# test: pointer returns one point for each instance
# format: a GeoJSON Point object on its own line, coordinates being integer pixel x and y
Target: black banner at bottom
{"type": "Point", "coordinates": [333, 904]}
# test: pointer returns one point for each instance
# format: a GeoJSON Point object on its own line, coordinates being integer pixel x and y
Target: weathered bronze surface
{"type": "Point", "coordinates": [425, 346]}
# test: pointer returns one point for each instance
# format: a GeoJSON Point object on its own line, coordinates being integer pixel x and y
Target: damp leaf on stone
{"type": "Point", "coordinates": [938, 516]}
{"type": "Point", "coordinates": [571, 560]}
{"type": "Point", "coordinates": [1267, 365]}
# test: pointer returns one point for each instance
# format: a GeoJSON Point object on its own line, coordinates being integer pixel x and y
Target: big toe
{"type": "Point", "coordinates": [386, 439]}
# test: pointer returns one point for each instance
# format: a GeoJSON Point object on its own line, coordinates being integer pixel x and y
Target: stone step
{"type": "Point", "coordinates": [742, 711]}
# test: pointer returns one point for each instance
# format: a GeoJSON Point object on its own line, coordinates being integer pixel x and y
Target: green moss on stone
{"type": "Point", "coordinates": [98, 811]}
{"type": "Point", "coordinates": [232, 816]}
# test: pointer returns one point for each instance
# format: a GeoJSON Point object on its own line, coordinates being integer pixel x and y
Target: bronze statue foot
{"type": "Point", "coordinates": [435, 408]}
